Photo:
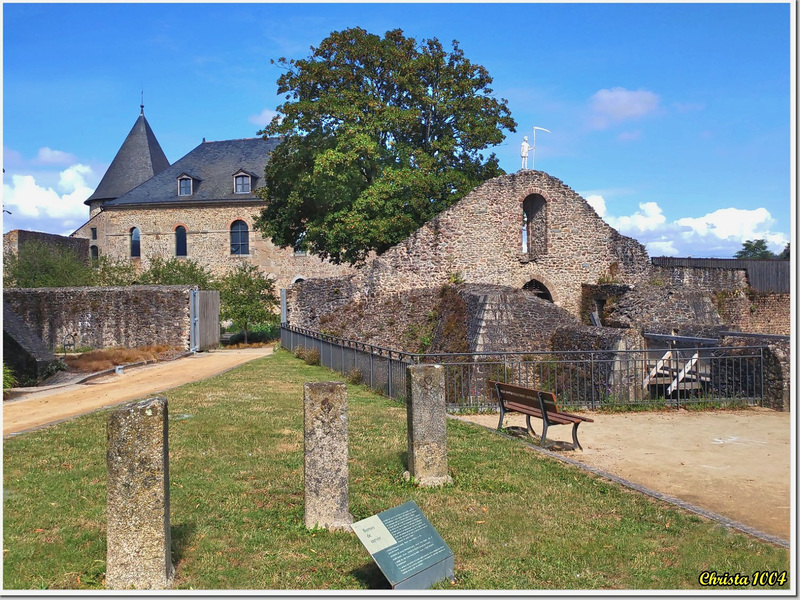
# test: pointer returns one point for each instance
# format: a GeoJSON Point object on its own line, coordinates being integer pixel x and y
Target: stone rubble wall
{"type": "Point", "coordinates": [479, 240]}
{"type": "Point", "coordinates": [18, 237]}
{"type": "Point", "coordinates": [756, 312]}
{"type": "Point", "coordinates": [104, 317]}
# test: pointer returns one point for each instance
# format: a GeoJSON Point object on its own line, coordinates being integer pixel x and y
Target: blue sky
{"type": "Point", "coordinates": [672, 120]}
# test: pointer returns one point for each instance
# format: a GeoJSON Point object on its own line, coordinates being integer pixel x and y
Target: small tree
{"type": "Point", "coordinates": [754, 249]}
{"type": "Point", "coordinates": [177, 272]}
{"type": "Point", "coordinates": [785, 253]}
{"type": "Point", "coordinates": [38, 264]}
{"type": "Point", "coordinates": [247, 297]}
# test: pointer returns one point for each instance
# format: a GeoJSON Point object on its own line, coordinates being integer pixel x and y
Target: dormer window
{"type": "Point", "coordinates": [242, 182]}
{"type": "Point", "coordinates": [184, 186]}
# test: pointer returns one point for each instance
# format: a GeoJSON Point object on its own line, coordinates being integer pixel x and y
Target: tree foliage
{"type": "Point", "coordinates": [38, 264]}
{"type": "Point", "coordinates": [379, 136]}
{"type": "Point", "coordinates": [247, 297]}
{"type": "Point", "coordinates": [755, 249]}
{"type": "Point", "coordinates": [785, 253]}
{"type": "Point", "coordinates": [176, 271]}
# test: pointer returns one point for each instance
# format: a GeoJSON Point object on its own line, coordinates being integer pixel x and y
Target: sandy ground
{"type": "Point", "coordinates": [734, 463]}
{"type": "Point", "coordinates": [56, 404]}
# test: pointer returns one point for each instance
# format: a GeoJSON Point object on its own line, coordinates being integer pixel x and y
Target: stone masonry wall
{"type": "Point", "coordinates": [756, 312]}
{"type": "Point", "coordinates": [479, 240]}
{"type": "Point", "coordinates": [105, 317]}
{"type": "Point", "coordinates": [14, 239]}
{"type": "Point", "coordinates": [207, 240]}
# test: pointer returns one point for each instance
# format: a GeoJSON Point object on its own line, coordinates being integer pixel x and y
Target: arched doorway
{"type": "Point", "coordinates": [538, 288]}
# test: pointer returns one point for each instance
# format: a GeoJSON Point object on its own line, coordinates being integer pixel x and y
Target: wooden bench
{"type": "Point", "coordinates": [539, 404]}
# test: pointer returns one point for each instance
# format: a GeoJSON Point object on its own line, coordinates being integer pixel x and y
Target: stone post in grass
{"type": "Point", "coordinates": [427, 425]}
{"type": "Point", "coordinates": [137, 514]}
{"type": "Point", "coordinates": [327, 500]}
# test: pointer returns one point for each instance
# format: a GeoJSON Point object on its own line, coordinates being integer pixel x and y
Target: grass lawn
{"type": "Point", "coordinates": [513, 518]}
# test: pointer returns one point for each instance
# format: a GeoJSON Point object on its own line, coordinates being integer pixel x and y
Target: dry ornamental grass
{"type": "Point", "coordinates": [100, 360]}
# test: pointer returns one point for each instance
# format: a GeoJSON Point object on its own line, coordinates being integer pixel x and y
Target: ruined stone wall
{"type": "Point", "coordinates": [755, 312]}
{"type": "Point", "coordinates": [18, 237]}
{"type": "Point", "coordinates": [208, 240]}
{"type": "Point", "coordinates": [705, 279]}
{"type": "Point", "coordinates": [776, 370]}
{"type": "Point", "coordinates": [307, 301]}
{"type": "Point", "coordinates": [479, 240]}
{"type": "Point", "coordinates": [105, 317]}
{"type": "Point", "coordinates": [504, 319]}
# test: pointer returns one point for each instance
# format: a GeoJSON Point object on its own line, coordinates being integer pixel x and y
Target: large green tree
{"type": "Point", "coordinates": [380, 134]}
{"type": "Point", "coordinates": [755, 249]}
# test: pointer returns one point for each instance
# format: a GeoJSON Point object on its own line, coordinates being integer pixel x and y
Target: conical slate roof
{"type": "Point", "coordinates": [139, 158]}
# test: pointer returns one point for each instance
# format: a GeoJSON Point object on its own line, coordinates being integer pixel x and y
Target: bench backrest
{"type": "Point", "coordinates": [527, 396]}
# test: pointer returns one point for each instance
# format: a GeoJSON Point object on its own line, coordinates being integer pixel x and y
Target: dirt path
{"type": "Point", "coordinates": [56, 404]}
{"type": "Point", "coordinates": [735, 463]}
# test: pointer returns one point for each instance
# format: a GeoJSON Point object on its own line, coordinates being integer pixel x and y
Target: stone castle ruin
{"type": "Point", "coordinates": [523, 263]}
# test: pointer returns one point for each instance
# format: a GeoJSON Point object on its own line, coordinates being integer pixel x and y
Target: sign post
{"type": "Point", "coordinates": [406, 547]}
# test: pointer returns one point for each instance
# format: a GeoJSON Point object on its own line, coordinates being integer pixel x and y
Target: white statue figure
{"type": "Point", "coordinates": [523, 152]}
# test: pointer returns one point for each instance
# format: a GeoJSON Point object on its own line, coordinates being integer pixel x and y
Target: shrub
{"type": "Point", "coordinates": [311, 356]}
{"type": "Point", "coordinates": [9, 379]}
{"type": "Point", "coordinates": [355, 376]}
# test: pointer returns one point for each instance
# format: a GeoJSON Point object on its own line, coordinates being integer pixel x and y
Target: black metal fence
{"type": "Point", "coordinates": [656, 377]}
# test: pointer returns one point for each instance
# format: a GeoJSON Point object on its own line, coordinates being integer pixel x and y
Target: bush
{"type": "Point", "coordinates": [9, 379]}
{"type": "Point", "coordinates": [309, 355]}
{"type": "Point", "coordinates": [177, 271]}
{"type": "Point", "coordinates": [355, 376]}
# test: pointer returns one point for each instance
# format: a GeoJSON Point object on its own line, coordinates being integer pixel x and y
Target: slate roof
{"type": "Point", "coordinates": [139, 158]}
{"type": "Point", "coordinates": [212, 165]}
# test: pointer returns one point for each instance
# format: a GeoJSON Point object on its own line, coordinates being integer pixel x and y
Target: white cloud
{"type": "Point", "coordinates": [618, 104]}
{"type": "Point", "coordinates": [649, 217]}
{"type": "Point", "coordinates": [264, 118]}
{"type": "Point", "coordinates": [26, 198]}
{"type": "Point", "coordinates": [661, 248]}
{"type": "Point", "coordinates": [48, 156]}
{"type": "Point", "coordinates": [716, 234]}
{"type": "Point", "coordinates": [598, 203]}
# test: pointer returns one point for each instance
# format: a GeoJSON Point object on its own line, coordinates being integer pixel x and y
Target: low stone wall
{"type": "Point", "coordinates": [705, 279]}
{"type": "Point", "coordinates": [777, 374]}
{"type": "Point", "coordinates": [103, 317]}
{"type": "Point", "coordinates": [13, 240]}
{"type": "Point", "coordinates": [755, 312]}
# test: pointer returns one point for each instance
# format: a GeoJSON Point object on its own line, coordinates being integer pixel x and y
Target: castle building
{"type": "Point", "coordinates": [202, 207]}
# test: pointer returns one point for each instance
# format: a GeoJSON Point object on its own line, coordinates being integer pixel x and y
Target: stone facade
{"type": "Point", "coordinates": [105, 317]}
{"type": "Point", "coordinates": [208, 240]}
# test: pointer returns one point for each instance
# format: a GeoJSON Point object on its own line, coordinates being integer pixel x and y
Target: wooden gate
{"type": "Point", "coordinates": [204, 316]}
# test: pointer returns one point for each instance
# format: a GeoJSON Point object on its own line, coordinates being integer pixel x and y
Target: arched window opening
{"type": "Point", "coordinates": [297, 280]}
{"type": "Point", "coordinates": [180, 241]}
{"type": "Point", "coordinates": [538, 288]}
{"type": "Point", "coordinates": [94, 254]}
{"type": "Point", "coordinates": [136, 248]}
{"type": "Point", "coordinates": [534, 225]}
{"type": "Point", "coordinates": [240, 242]}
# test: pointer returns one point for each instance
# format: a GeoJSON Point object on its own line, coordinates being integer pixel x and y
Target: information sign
{"type": "Point", "coordinates": [406, 547]}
